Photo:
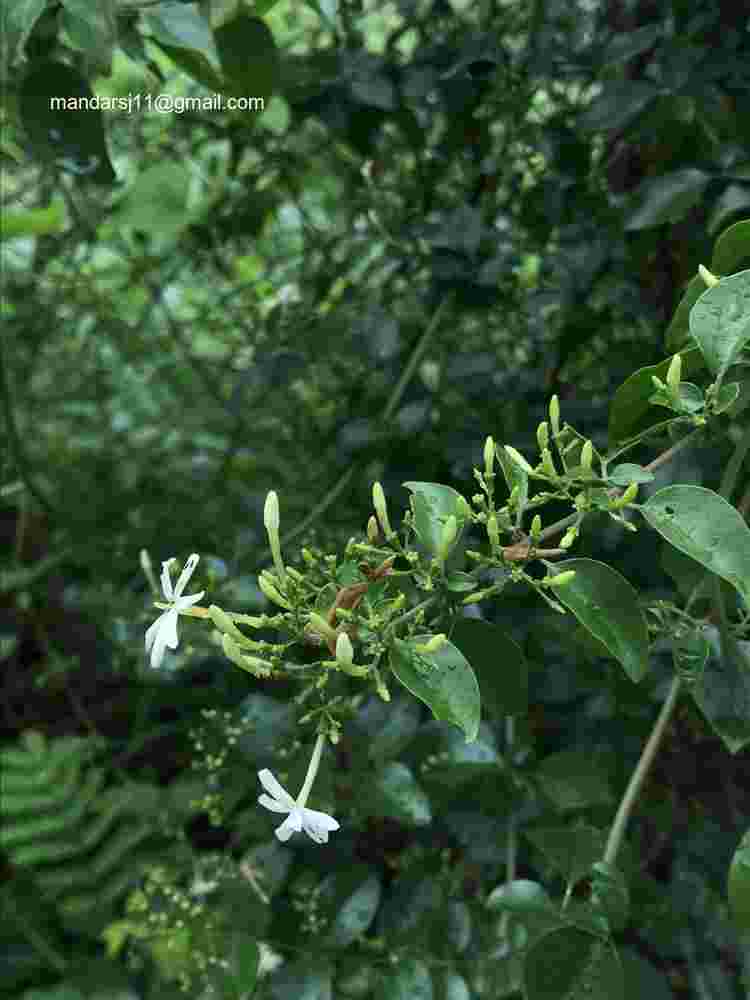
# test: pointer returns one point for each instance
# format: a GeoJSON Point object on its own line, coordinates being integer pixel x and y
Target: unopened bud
{"type": "Point", "coordinates": [517, 458]}
{"type": "Point", "coordinates": [383, 692]}
{"type": "Point", "coordinates": [252, 664]}
{"type": "Point", "coordinates": [554, 415]}
{"type": "Point", "coordinates": [587, 453]}
{"type": "Point", "coordinates": [627, 497]}
{"type": "Point", "coordinates": [569, 537]}
{"type": "Point", "coordinates": [548, 465]}
{"type": "Point", "coordinates": [344, 650]}
{"type": "Point", "coordinates": [536, 527]}
{"type": "Point", "coordinates": [447, 537]}
{"type": "Point", "coordinates": [271, 521]}
{"type": "Point", "coordinates": [432, 645]}
{"type": "Point", "coordinates": [542, 435]}
{"type": "Point", "coordinates": [709, 279]}
{"type": "Point", "coordinates": [321, 626]}
{"type": "Point", "coordinates": [224, 623]}
{"type": "Point", "coordinates": [560, 579]}
{"type": "Point", "coordinates": [373, 532]}
{"type": "Point", "coordinates": [493, 532]}
{"type": "Point", "coordinates": [674, 374]}
{"type": "Point", "coordinates": [268, 586]}
{"type": "Point", "coordinates": [378, 502]}
{"type": "Point", "coordinates": [489, 458]}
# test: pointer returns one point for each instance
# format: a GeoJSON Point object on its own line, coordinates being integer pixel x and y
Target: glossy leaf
{"type": "Point", "coordinates": [627, 473]}
{"type": "Point", "coordinates": [738, 885]}
{"type": "Point", "coordinates": [573, 964]}
{"type": "Point", "coordinates": [350, 897]}
{"type": "Point", "coordinates": [396, 793]}
{"type": "Point", "coordinates": [720, 321]}
{"type": "Point", "coordinates": [573, 780]}
{"type": "Point", "coordinates": [184, 34]}
{"type": "Point", "coordinates": [666, 198]}
{"type": "Point", "coordinates": [607, 606]}
{"type": "Point", "coordinates": [705, 527]}
{"type": "Point", "coordinates": [248, 56]}
{"type": "Point", "coordinates": [443, 680]}
{"type": "Point", "coordinates": [678, 330]}
{"type": "Point", "coordinates": [722, 692]}
{"type": "Point", "coordinates": [522, 896]}
{"type": "Point", "coordinates": [571, 850]}
{"type": "Point", "coordinates": [499, 664]}
{"type": "Point", "coordinates": [432, 504]}
{"type": "Point", "coordinates": [732, 248]}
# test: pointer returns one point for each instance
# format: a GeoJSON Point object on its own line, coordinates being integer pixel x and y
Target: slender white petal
{"type": "Point", "coordinates": [187, 572]}
{"type": "Point", "coordinates": [163, 632]}
{"type": "Point", "coordinates": [316, 825]}
{"type": "Point", "coordinates": [276, 789]}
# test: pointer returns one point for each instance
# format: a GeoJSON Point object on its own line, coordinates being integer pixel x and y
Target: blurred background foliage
{"type": "Point", "coordinates": [445, 213]}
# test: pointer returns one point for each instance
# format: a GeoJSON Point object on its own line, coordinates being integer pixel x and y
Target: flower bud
{"type": "Point", "coordinates": [554, 415]}
{"type": "Point", "coordinates": [548, 465]}
{"type": "Point", "coordinates": [709, 279]}
{"type": "Point", "coordinates": [373, 532]}
{"type": "Point", "coordinates": [224, 623]}
{"type": "Point", "coordinates": [433, 644]}
{"type": "Point", "coordinates": [542, 435]}
{"type": "Point", "coordinates": [560, 579]}
{"type": "Point", "coordinates": [569, 537]}
{"type": "Point", "coordinates": [271, 514]}
{"type": "Point", "coordinates": [448, 535]}
{"type": "Point", "coordinates": [321, 626]}
{"type": "Point", "coordinates": [344, 650]}
{"type": "Point", "coordinates": [252, 664]}
{"type": "Point", "coordinates": [378, 502]}
{"type": "Point", "coordinates": [674, 374]}
{"type": "Point", "coordinates": [493, 532]}
{"type": "Point", "coordinates": [587, 453]}
{"type": "Point", "coordinates": [517, 458]}
{"type": "Point", "coordinates": [489, 458]}
{"type": "Point", "coordinates": [536, 527]}
{"type": "Point", "coordinates": [268, 586]}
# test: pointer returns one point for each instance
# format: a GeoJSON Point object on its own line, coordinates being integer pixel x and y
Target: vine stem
{"type": "Point", "coordinates": [617, 833]}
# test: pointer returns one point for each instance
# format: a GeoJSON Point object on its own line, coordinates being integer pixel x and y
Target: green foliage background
{"type": "Point", "coordinates": [446, 213]}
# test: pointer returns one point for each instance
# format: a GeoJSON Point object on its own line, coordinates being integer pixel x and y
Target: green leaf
{"type": "Point", "coordinates": [396, 793]}
{"type": "Point", "coordinates": [705, 527]}
{"type": "Point", "coordinates": [34, 221]}
{"type": "Point", "coordinates": [432, 504]}
{"type": "Point", "coordinates": [92, 29]}
{"type": "Point", "coordinates": [733, 201]}
{"type": "Point", "coordinates": [720, 321]}
{"type": "Point", "coordinates": [71, 137]}
{"type": "Point", "coordinates": [679, 328]}
{"type": "Point", "coordinates": [619, 104]}
{"type": "Point", "coordinates": [738, 885]}
{"type": "Point", "coordinates": [631, 411]}
{"type": "Point", "coordinates": [627, 473]}
{"type": "Point", "coordinates": [157, 202]}
{"type": "Point", "coordinates": [409, 980]}
{"type": "Point", "coordinates": [248, 56]}
{"type": "Point", "coordinates": [19, 19]}
{"type": "Point", "coordinates": [666, 198]}
{"type": "Point", "coordinates": [522, 896]}
{"type": "Point", "coordinates": [349, 898]}
{"type": "Point", "coordinates": [607, 605]}
{"type": "Point", "coordinates": [573, 780]}
{"type": "Point", "coordinates": [573, 964]}
{"type": "Point", "coordinates": [571, 850]}
{"type": "Point", "coordinates": [238, 981]}
{"type": "Point", "coordinates": [443, 680]}
{"type": "Point", "coordinates": [504, 691]}
{"type": "Point", "coordinates": [732, 248]}
{"type": "Point", "coordinates": [184, 34]}
{"type": "Point", "coordinates": [722, 693]}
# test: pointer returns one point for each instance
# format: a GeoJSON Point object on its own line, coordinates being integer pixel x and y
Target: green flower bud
{"type": "Point", "coordinates": [253, 665]}
{"type": "Point", "coordinates": [493, 532]}
{"type": "Point", "coordinates": [432, 645]}
{"type": "Point", "coordinates": [542, 435]}
{"type": "Point", "coordinates": [569, 537]}
{"type": "Point", "coordinates": [224, 623]}
{"type": "Point", "coordinates": [517, 458]}
{"type": "Point", "coordinates": [674, 374]}
{"type": "Point", "coordinates": [268, 586]}
{"type": "Point", "coordinates": [554, 415]}
{"type": "Point", "coordinates": [560, 579]}
{"type": "Point", "coordinates": [489, 458]}
{"type": "Point", "coordinates": [321, 626]}
{"type": "Point", "coordinates": [536, 527]}
{"type": "Point", "coordinates": [373, 532]}
{"type": "Point", "coordinates": [344, 650]}
{"type": "Point", "coordinates": [587, 453]}
{"type": "Point", "coordinates": [548, 465]}
{"type": "Point", "coordinates": [378, 502]}
{"type": "Point", "coordinates": [709, 279]}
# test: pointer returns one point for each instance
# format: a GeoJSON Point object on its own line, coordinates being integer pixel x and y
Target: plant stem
{"type": "Point", "coordinates": [617, 833]}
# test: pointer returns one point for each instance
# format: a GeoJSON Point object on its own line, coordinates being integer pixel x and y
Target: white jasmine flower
{"type": "Point", "coordinates": [163, 632]}
{"type": "Point", "coordinates": [316, 825]}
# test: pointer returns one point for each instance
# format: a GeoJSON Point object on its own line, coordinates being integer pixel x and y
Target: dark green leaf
{"type": "Point", "coordinates": [666, 198]}
{"type": "Point", "coordinates": [396, 793]}
{"type": "Point", "coordinates": [720, 321]}
{"type": "Point", "coordinates": [499, 664]}
{"type": "Point", "coordinates": [573, 780]}
{"type": "Point", "coordinates": [732, 248]}
{"type": "Point", "coordinates": [248, 57]}
{"type": "Point", "coordinates": [572, 964]}
{"type": "Point", "coordinates": [619, 104]}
